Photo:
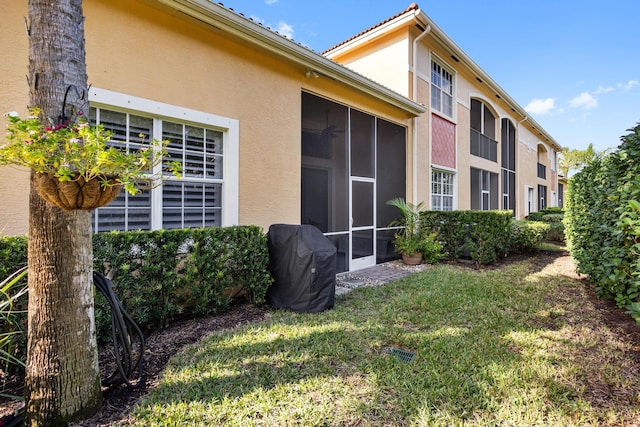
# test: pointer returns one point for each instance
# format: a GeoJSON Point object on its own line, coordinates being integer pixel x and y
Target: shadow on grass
{"type": "Point", "coordinates": [490, 346]}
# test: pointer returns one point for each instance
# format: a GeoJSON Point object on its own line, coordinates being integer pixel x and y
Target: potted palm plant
{"type": "Point", "coordinates": [408, 239]}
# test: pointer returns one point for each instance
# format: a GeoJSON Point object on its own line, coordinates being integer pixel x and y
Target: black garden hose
{"type": "Point", "coordinates": [123, 330]}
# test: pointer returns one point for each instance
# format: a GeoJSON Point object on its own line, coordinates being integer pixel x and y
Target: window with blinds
{"type": "Point", "coordinates": [193, 201]}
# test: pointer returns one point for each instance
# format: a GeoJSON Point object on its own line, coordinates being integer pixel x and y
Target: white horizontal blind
{"type": "Point", "coordinates": [126, 212]}
{"type": "Point", "coordinates": [191, 204]}
{"type": "Point", "coordinates": [193, 201]}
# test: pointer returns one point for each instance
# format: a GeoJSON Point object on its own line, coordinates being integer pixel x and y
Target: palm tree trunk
{"type": "Point", "coordinates": [62, 377]}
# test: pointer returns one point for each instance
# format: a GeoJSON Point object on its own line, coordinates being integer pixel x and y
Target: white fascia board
{"type": "Point", "coordinates": [371, 34]}
{"type": "Point", "coordinates": [228, 21]}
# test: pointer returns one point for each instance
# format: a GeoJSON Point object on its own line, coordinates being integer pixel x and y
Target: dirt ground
{"type": "Point", "coordinates": [161, 346]}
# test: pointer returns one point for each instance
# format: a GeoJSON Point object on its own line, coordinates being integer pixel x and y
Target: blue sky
{"type": "Point", "coordinates": [573, 64]}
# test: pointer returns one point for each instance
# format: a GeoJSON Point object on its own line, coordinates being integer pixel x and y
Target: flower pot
{"type": "Point", "coordinates": [414, 259]}
{"type": "Point", "coordinates": [77, 193]}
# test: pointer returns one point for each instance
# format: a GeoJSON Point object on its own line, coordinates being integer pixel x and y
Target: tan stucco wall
{"type": "Point", "coordinates": [368, 53]}
{"type": "Point", "coordinates": [143, 51]}
{"type": "Point", "coordinates": [384, 59]}
{"type": "Point", "coordinates": [14, 96]}
{"type": "Point", "coordinates": [526, 155]}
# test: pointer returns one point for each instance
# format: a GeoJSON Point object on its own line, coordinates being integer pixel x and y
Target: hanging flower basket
{"type": "Point", "coordinates": [77, 193]}
{"type": "Point", "coordinates": [77, 166]}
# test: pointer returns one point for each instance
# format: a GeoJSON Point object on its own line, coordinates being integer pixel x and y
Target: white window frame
{"type": "Point", "coordinates": [441, 70]}
{"type": "Point", "coordinates": [543, 203]}
{"type": "Point", "coordinates": [230, 128]}
{"type": "Point", "coordinates": [485, 190]}
{"type": "Point", "coordinates": [441, 195]}
{"type": "Point", "coordinates": [530, 203]}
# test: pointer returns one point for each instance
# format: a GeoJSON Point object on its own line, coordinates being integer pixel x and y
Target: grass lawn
{"type": "Point", "coordinates": [518, 345]}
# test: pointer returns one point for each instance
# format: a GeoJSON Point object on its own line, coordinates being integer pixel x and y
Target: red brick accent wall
{"type": "Point", "coordinates": [443, 142]}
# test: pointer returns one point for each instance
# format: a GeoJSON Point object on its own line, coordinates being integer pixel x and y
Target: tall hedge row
{"type": "Point", "coordinates": [603, 223]}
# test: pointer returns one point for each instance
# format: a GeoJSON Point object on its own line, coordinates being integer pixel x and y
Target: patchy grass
{"type": "Point", "coordinates": [519, 345]}
{"type": "Point", "coordinates": [552, 246]}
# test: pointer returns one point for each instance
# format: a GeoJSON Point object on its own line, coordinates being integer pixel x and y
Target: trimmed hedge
{"type": "Point", "coordinates": [166, 275]}
{"type": "Point", "coordinates": [603, 223]}
{"type": "Point", "coordinates": [482, 236]}
{"type": "Point", "coordinates": [541, 214]}
{"type": "Point", "coordinates": [525, 236]}
{"type": "Point", "coordinates": [554, 217]}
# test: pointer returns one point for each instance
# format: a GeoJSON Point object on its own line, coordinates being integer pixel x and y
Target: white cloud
{"type": "Point", "coordinates": [630, 85]}
{"type": "Point", "coordinates": [584, 100]}
{"type": "Point", "coordinates": [622, 87]}
{"type": "Point", "coordinates": [541, 106]}
{"type": "Point", "coordinates": [602, 89]}
{"type": "Point", "coordinates": [270, 2]}
{"type": "Point", "coordinates": [285, 30]}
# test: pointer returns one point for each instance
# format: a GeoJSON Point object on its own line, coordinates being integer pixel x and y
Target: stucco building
{"type": "Point", "coordinates": [476, 147]}
{"type": "Point", "coordinates": [269, 131]}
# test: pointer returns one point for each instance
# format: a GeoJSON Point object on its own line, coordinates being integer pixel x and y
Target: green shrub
{"type": "Point", "coordinates": [552, 218]}
{"type": "Point", "coordinates": [541, 214]}
{"type": "Point", "coordinates": [13, 255]}
{"type": "Point", "coordinates": [603, 222]}
{"type": "Point", "coordinates": [431, 248]}
{"type": "Point", "coordinates": [479, 235]}
{"type": "Point", "coordinates": [163, 276]}
{"type": "Point", "coordinates": [525, 236]}
{"type": "Point", "coordinates": [166, 275]}
{"type": "Point", "coordinates": [535, 216]}
{"type": "Point", "coordinates": [13, 296]}
{"type": "Point", "coordinates": [556, 232]}
{"type": "Point", "coordinates": [13, 302]}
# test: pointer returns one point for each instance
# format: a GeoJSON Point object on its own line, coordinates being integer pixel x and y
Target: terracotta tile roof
{"type": "Point", "coordinates": [412, 7]}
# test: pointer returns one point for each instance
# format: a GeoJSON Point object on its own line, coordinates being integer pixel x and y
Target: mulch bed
{"type": "Point", "coordinates": [161, 346]}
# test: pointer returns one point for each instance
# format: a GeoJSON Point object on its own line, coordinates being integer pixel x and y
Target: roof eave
{"type": "Point", "coordinates": [397, 22]}
{"type": "Point", "coordinates": [230, 22]}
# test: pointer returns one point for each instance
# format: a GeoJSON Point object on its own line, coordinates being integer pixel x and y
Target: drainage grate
{"type": "Point", "coordinates": [403, 355]}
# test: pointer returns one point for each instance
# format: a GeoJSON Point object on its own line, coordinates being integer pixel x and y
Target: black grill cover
{"type": "Point", "coordinates": [303, 264]}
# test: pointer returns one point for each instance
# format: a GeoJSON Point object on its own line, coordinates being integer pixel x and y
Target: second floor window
{"type": "Point", "coordinates": [441, 89]}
